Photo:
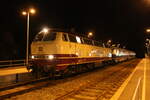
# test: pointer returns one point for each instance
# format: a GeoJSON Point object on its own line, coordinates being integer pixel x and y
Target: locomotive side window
{"type": "Point", "coordinates": [87, 41]}
{"type": "Point", "coordinates": [72, 38]}
{"type": "Point", "coordinates": [45, 37]}
{"type": "Point", "coordinates": [96, 43]}
{"type": "Point", "coordinates": [64, 37]}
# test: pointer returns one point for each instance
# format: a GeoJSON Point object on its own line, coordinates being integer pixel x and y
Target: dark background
{"type": "Point", "coordinates": [123, 21]}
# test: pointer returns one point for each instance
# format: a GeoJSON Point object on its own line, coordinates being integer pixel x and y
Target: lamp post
{"type": "Point", "coordinates": [27, 13]}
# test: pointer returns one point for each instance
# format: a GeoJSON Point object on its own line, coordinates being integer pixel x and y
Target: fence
{"type": "Point", "coordinates": [11, 63]}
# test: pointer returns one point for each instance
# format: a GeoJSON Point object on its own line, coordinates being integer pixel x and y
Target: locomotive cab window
{"type": "Point", "coordinates": [45, 36]}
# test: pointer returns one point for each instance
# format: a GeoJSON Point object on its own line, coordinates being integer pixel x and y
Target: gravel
{"type": "Point", "coordinates": [63, 86]}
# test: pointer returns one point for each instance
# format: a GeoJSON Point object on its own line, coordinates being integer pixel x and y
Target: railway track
{"type": "Point", "coordinates": [102, 88]}
{"type": "Point", "coordinates": [23, 87]}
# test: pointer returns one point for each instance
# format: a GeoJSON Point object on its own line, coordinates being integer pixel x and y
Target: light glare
{"type": "Point", "coordinates": [45, 30]}
{"type": "Point", "coordinates": [90, 33]}
{"type": "Point", "coordinates": [32, 11]}
{"type": "Point", "coordinates": [78, 39]}
{"type": "Point", "coordinates": [24, 13]}
{"type": "Point", "coordinates": [50, 57]}
{"type": "Point", "coordinates": [32, 57]}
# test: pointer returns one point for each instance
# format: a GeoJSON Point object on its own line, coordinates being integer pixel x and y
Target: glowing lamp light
{"type": "Point", "coordinates": [77, 53]}
{"type": "Point", "coordinates": [90, 54]}
{"type": "Point", "coordinates": [90, 34]}
{"type": "Point", "coordinates": [148, 30]}
{"type": "Point", "coordinates": [45, 30]}
{"type": "Point", "coordinates": [24, 13]}
{"type": "Point", "coordinates": [109, 41]}
{"type": "Point", "coordinates": [50, 57]}
{"type": "Point", "coordinates": [32, 11]}
{"type": "Point", "coordinates": [32, 57]}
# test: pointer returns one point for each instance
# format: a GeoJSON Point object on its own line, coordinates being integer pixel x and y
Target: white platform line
{"type": "Point", "coordinates": [144, 82]}
{"type": "Point", "coordinates": [122, 87]}
{"type": "Point", "coordinates": [136, 90]}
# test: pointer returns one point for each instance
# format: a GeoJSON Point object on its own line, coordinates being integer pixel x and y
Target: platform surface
{"type": "Point", "coordinates": [137, 85]}
{"type": "Point", "coordinates": [13, 70]}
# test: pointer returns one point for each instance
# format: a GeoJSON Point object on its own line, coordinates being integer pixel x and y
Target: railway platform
{"type": "Point", "coordinates": [137, 85]}
{"type": "Point", "coordinates": [13, 70]}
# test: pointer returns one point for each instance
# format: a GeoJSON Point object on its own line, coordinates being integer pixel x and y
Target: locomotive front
{"type": "Point", "coordinates": [43, 49]}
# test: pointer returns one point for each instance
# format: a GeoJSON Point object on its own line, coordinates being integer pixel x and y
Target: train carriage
{"type": "Point", "coordinates": [120, 54]}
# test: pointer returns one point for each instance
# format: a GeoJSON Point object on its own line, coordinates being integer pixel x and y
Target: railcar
{"type": "Point", "coordinates": [119, 54]}
{"type": "Point", "coordinates": [62, 52]}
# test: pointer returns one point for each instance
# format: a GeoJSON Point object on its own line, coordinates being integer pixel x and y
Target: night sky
{"type": "Point", "coordinates": [123, 21]}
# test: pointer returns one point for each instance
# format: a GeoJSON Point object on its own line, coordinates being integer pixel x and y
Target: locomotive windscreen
{"type": "Point", "coordinates": [50, 36]}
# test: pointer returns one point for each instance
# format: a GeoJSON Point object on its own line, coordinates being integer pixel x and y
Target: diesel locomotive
{"type": "Point", "coordinates": [62, 52]}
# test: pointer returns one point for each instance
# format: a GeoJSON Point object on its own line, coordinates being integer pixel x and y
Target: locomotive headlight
{"type": "Point", "coordinates": [50, 57]}
{"type": "Point", "coordinates": [110, 55]}
{"type": "Point", "coordinates": [32, 57]}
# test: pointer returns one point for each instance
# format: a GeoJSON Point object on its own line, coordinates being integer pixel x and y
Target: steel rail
{"type": "Point", "coordinates": [31, 83]}
{"type": "Point", "coordinates": [74, 92]}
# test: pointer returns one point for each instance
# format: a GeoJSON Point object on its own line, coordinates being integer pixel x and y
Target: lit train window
{"type": "Point", "coordinates": [72, 38]}
{"type": "Point", "coordinates": [78, 39]}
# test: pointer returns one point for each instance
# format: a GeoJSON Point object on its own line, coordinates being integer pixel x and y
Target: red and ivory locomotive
{"type": "Point", "coordinates": [56, 51]}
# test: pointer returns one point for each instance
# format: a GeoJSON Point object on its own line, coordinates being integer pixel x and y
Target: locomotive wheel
{"type": "Point", "coordinates": [90, 66]}
{"type": "Point", "coordinates": [67, 72]}
{"type": "Point", "coordinates": [79, 68]}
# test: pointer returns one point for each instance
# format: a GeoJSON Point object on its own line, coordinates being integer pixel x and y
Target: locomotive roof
{"type": "Point", "coordinates": [70, 32]}
{"type": "Point", "coordinates": [80, 35]}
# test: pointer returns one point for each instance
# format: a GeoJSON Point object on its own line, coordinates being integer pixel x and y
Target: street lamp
{"type": "Point", "coordinates": [148, 30]}
{"type": "Point", "coordinates": [90, 34]}
{"type": "Point", "coordinates": [27, 13]}
{"type": "Point", "coordinates": [45, 30]}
